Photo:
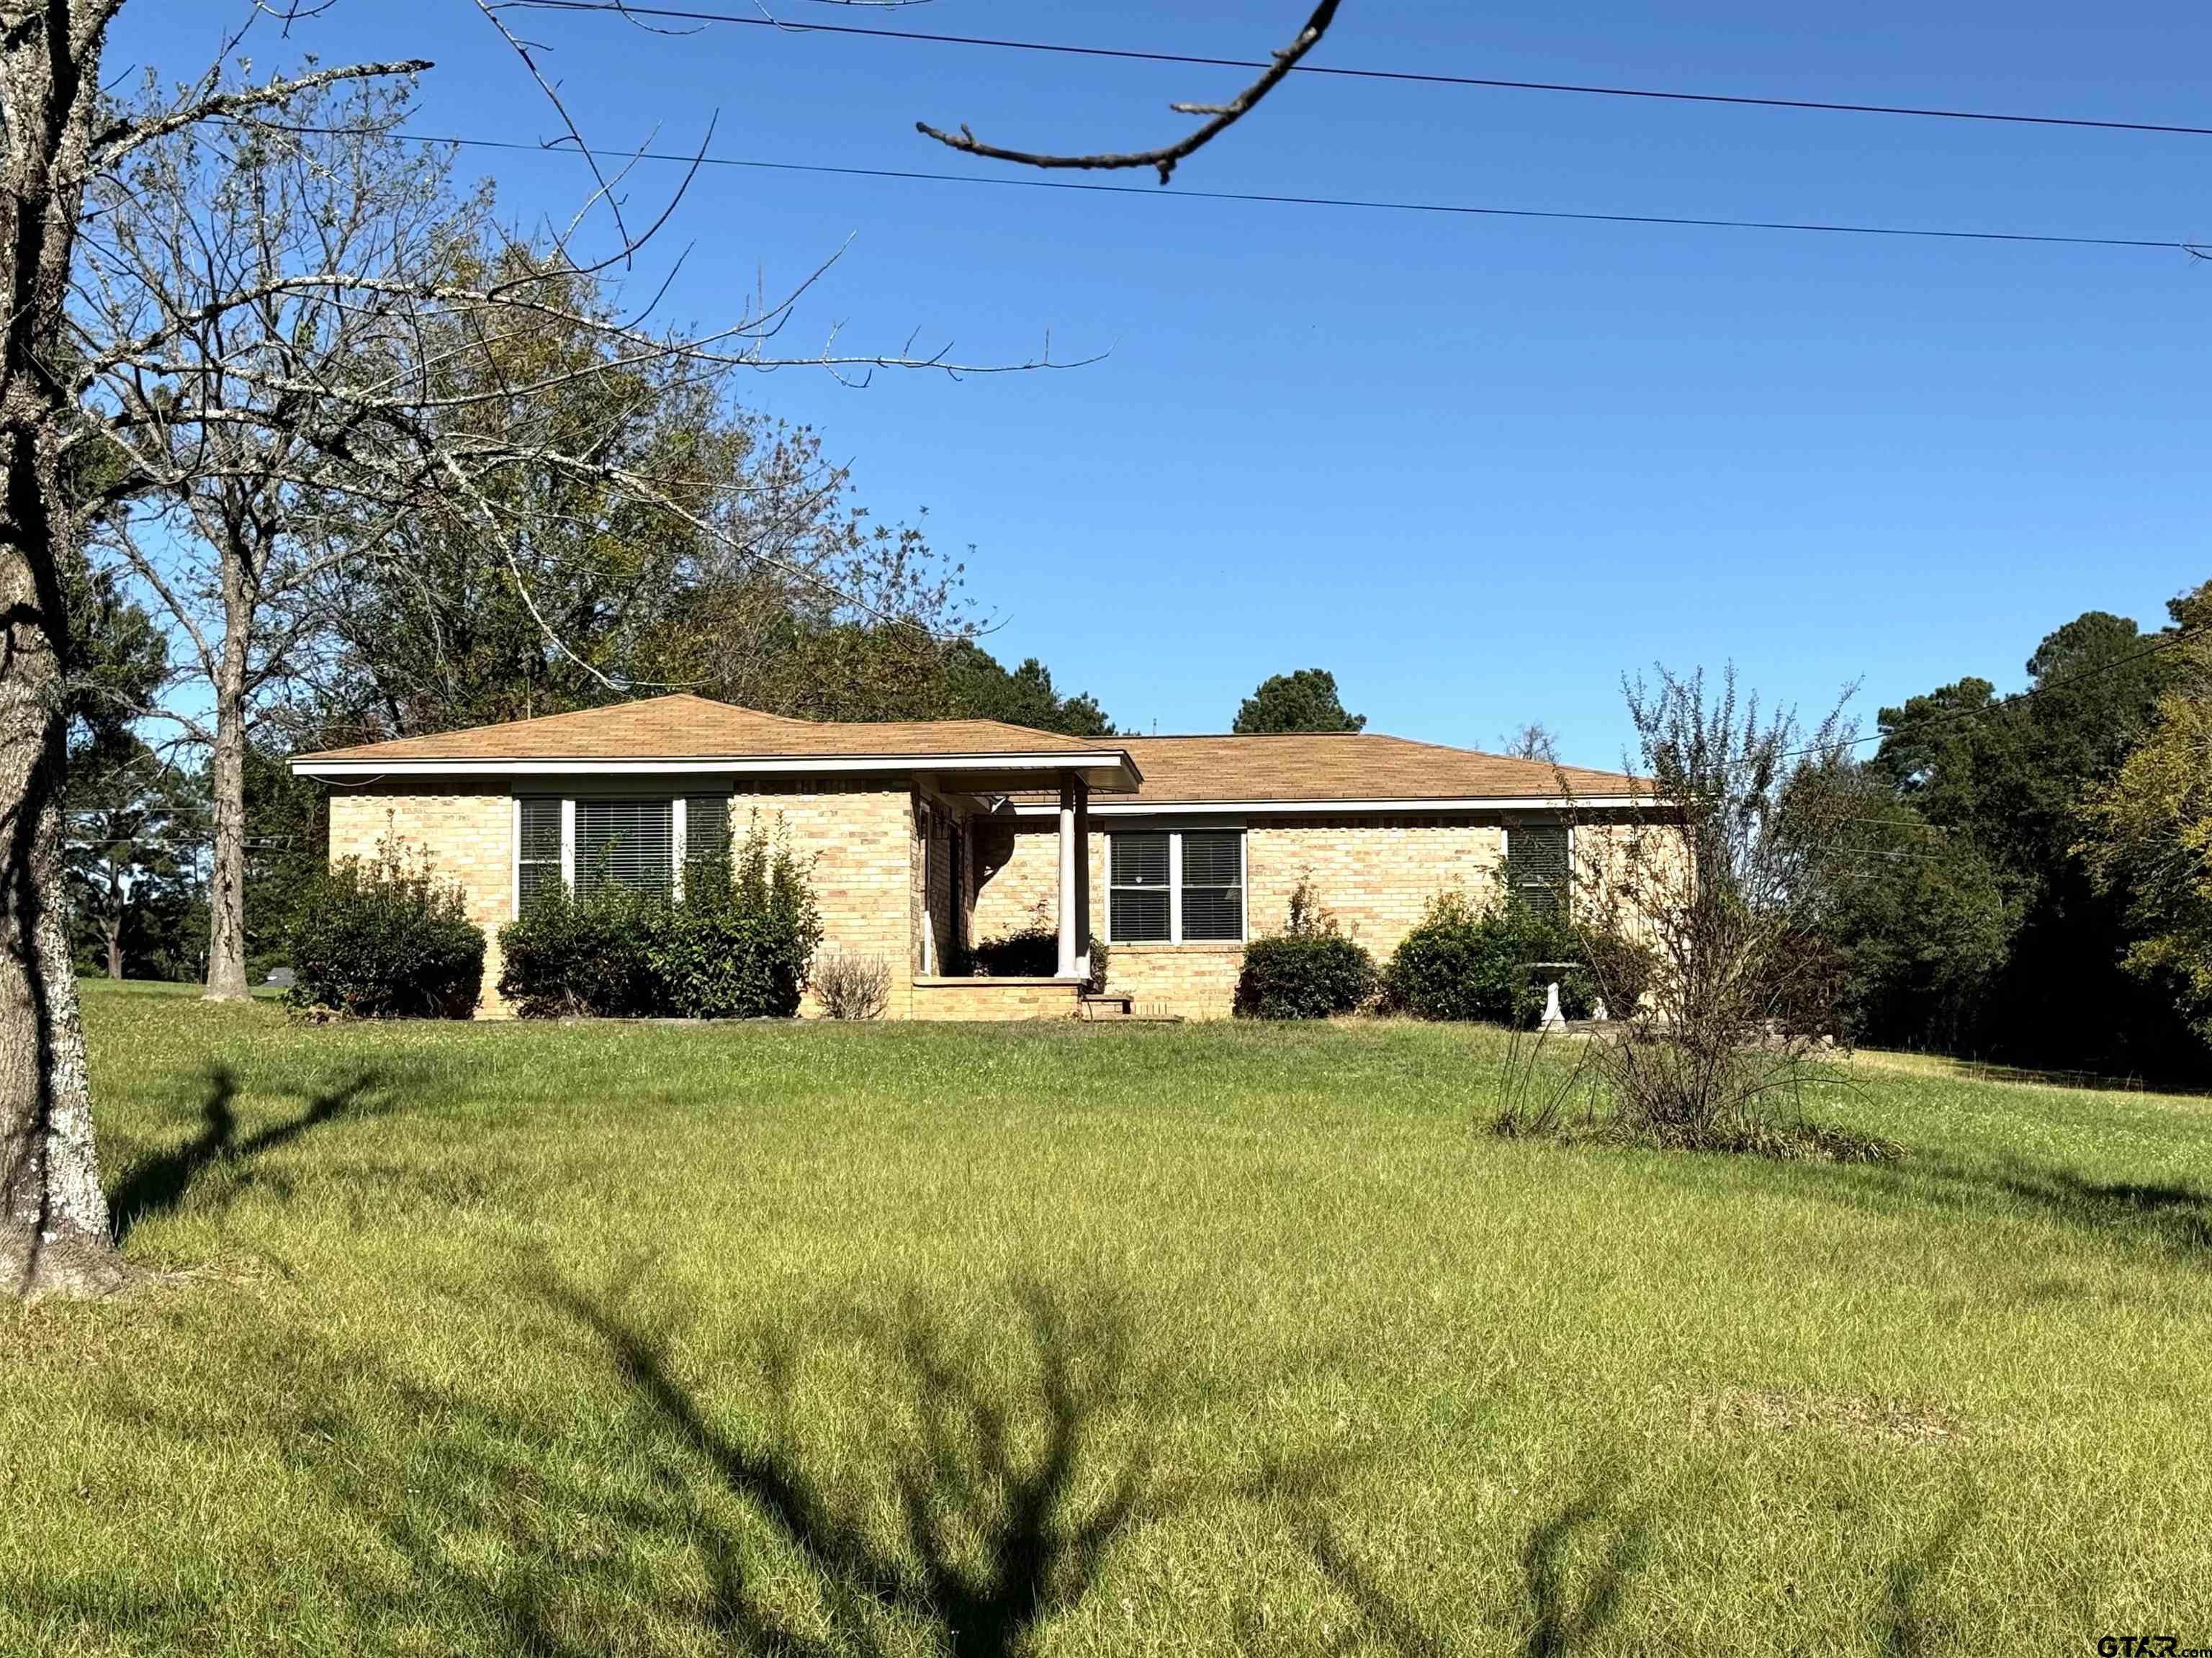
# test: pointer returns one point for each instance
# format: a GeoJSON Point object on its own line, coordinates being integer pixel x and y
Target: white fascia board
{"type": "Point", "coordinates": [743, 765]}
{"type": "Point", "coordinates": [1365, 808]}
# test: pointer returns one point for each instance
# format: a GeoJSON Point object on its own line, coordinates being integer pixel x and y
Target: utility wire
{"type": "Point", "coordinates": [2005, 704]}
{"type": "Point", "coordinates": [1000, 181]}
{"type": "Point", "coordinates": [621, 8]}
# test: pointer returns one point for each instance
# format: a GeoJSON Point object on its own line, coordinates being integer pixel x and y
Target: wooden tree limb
{"type": "Point", "coordinates": [119, 139]}
{"type": "Point", "coordinates": [1224, 116]}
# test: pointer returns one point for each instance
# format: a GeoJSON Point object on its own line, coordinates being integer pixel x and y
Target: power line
{"type": "Point", "coordinates": [2005, 705]}
{"type": "Point", "coordinates": [1458, 209]}
{"type": "Point", "coordinates": [1418, 77]}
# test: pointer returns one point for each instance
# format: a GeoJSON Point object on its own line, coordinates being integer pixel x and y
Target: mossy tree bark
{"type": "Point", "coordinates": [53, 1215]}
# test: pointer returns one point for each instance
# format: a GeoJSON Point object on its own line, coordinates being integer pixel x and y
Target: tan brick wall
{"type": "Point", "coordinates": [468, 837]}
{"type": "Point", "coordinates": [856, 842]}
{"type": "Point", "coordinates": [867, 860]}
{"type": "Point", "coordinates": [1190, 982]}
{"type": "Point", "coordinates": [1375, 875]}
{"type": "Point", "coordinates": [1645, 865]}
{"type": "Point", "coordinates": [1017, 870]}
{"type": "Point", "coordinates": [995, 999]}
{"type": "Point", "coordinates": [859, 844]}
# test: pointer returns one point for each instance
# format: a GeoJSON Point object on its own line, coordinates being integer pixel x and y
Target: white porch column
{"type": "Point", "coordinates": [1068, 944]}
{"type": "Point", "coordinates": [1083, 928]}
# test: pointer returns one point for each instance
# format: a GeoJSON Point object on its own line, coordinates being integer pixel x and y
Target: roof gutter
{"type": "Point", "coordinates": [1393, 807]}
{"type": "Point", "coordinates": [1115, 763]}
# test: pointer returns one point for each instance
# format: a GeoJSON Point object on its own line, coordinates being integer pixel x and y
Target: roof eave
{"type": "Point", "coordinates": [1364, 806]}
{"type": "Point", "coordinates": [1109, 770]}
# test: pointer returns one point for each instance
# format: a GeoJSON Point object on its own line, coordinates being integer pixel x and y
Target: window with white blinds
{"type": "Point", "coordinates": [1175, 886]}
{"type": "Point", "coordinates": [1212, 890]}
{"type": "Point", "coordinates": [707, 829]}
{"type": "Point", "coordinates": [1137, 911]}
{"type": "Point", "coordinates": [631, 843]}
{"type": "Point", "coordinates": [537, 847]}
{"type": "Point", "coordinates": [1536, 867]}
{"type": "Point", "coordinates": [635, 844]}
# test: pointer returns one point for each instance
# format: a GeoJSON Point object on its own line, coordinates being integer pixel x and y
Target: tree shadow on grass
{"type": "Point", "coordinates": [2171, 1213]}
{"type": "Point", "coordinates": [1563, 1614]}
{"type": "Point", "coordinates": [155, 1186]}
{"type": "Point", "coordinates": [974, 1510]}
{"type": "Point", "coordinates": [1561, 1609]}
{"type": "Point", "coordinates": [2173, 1218]}
{"type": "Point", "coordinates": [993, 1541]}
{"type": "Point", "coordinates": [1909, 1629]}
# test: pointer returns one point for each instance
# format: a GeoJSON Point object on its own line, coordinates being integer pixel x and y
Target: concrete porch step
{"type": "Point", "coordinates": [1108, 1007]}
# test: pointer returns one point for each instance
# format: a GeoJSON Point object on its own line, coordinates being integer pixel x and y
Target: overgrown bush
{"type": "Point", "coordinates": [853, 987]}
{"type": "Point", "coordinates": [1465, 962]}
{"type": "Point", "coordinates": [1032, 953]}
{"type": "Point", "coordinates": [1749, 989]}
{"type": "Point", "coordinates": [1718, 892]}
{"type": "Point", "coordinates": [736, 944]}
{"type": "Point", "coordinates": [572, 954]}
{"type": "Point", "coordinates": [1310, 970]}
{"type": "Point", "coordinates": [384, 938]}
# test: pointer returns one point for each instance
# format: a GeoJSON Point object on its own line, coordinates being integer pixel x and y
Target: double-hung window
{"type": "Point", "coordinates": [626, 843]}
{"type": "Point", "coordinates": [642, 845]}
{"type": "Point", "coordinates": [539, 855]}
{"type": "Point", "coordinates": [1537, 867]}
{"type": "Point", "coordinates": [1175, 886]}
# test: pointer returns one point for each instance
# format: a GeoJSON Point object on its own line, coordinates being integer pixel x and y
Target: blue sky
{"type": "Point", "coordinates": [1477, 467]}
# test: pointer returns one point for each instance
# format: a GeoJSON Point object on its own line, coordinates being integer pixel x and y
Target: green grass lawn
{"type": "Point", "coordinates": [646, 1339]}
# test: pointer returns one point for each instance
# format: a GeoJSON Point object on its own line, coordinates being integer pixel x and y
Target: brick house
{"type": "Point", "coordinates": [928, 837]}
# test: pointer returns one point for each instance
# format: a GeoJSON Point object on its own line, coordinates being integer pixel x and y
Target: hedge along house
{"type": "Point", "coordinates": [928, 837]}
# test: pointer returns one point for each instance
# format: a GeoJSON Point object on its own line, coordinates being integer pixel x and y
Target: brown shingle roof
{"type": "Point", "coordinates": [1292, 765]}
{"type": "Point", "coordinates": [1344, 766]}
{"type": "Point", "coordinates": [683, 727]}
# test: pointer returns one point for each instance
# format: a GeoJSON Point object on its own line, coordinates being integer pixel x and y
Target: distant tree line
{"type": "Point", "coordinates": [2028, 878]}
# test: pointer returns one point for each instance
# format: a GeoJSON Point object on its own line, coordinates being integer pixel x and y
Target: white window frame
{"type": "Point", "coordinates": [1175, 833]}
{"type": "Point", "coordinates": [679, 839]}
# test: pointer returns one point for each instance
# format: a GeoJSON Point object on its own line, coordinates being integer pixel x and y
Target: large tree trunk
{"type": "Point", "coordinates": [226, 971]}
{"type": "Point", "coordinates": [53, 1216]}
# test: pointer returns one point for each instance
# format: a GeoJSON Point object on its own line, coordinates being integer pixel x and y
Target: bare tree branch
{"type": "Point", "coordinates": [120, 136]}
{"type": "Point", "coordinates": [1224, 116]}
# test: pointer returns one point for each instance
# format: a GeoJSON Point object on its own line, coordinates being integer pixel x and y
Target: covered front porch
{"type": "Point", "coordinates": [1022, 948]}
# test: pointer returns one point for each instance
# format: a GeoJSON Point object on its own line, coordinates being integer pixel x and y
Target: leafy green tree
{"type": "Point", "coordinates": [2147, 829]}
{"type": "Point", "coordinates": [2003, 778]}
{"type": "Point", "coordinates": [287, 853]}
{"type": "Point", "coordinates": [1918, 920]}
{"type": "Point", "coordinates": [980, 688]}
{"type": "Point", "coordinates": [1305, 701]}
{"type": "Point", "coordinates": [136, 829]}
{"type": "Point", "coordinates": [546, 589]}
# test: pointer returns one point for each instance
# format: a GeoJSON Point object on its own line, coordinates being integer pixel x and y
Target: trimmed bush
{"type": "Point", "coordinates": [736, 945]}
{"type": "Point", "coordinates": [385, 939]}
{"type": "Point", "coordinates": [1303, 976]}
{"type": "Point", "coordinates": [1461, 963]}
{"type": "Point", "coordinates": [571, 955]}
{"type": "Point", "coordinates": [1310, 970]}
{"type": "Point", "coordinates": [1620, 971]}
